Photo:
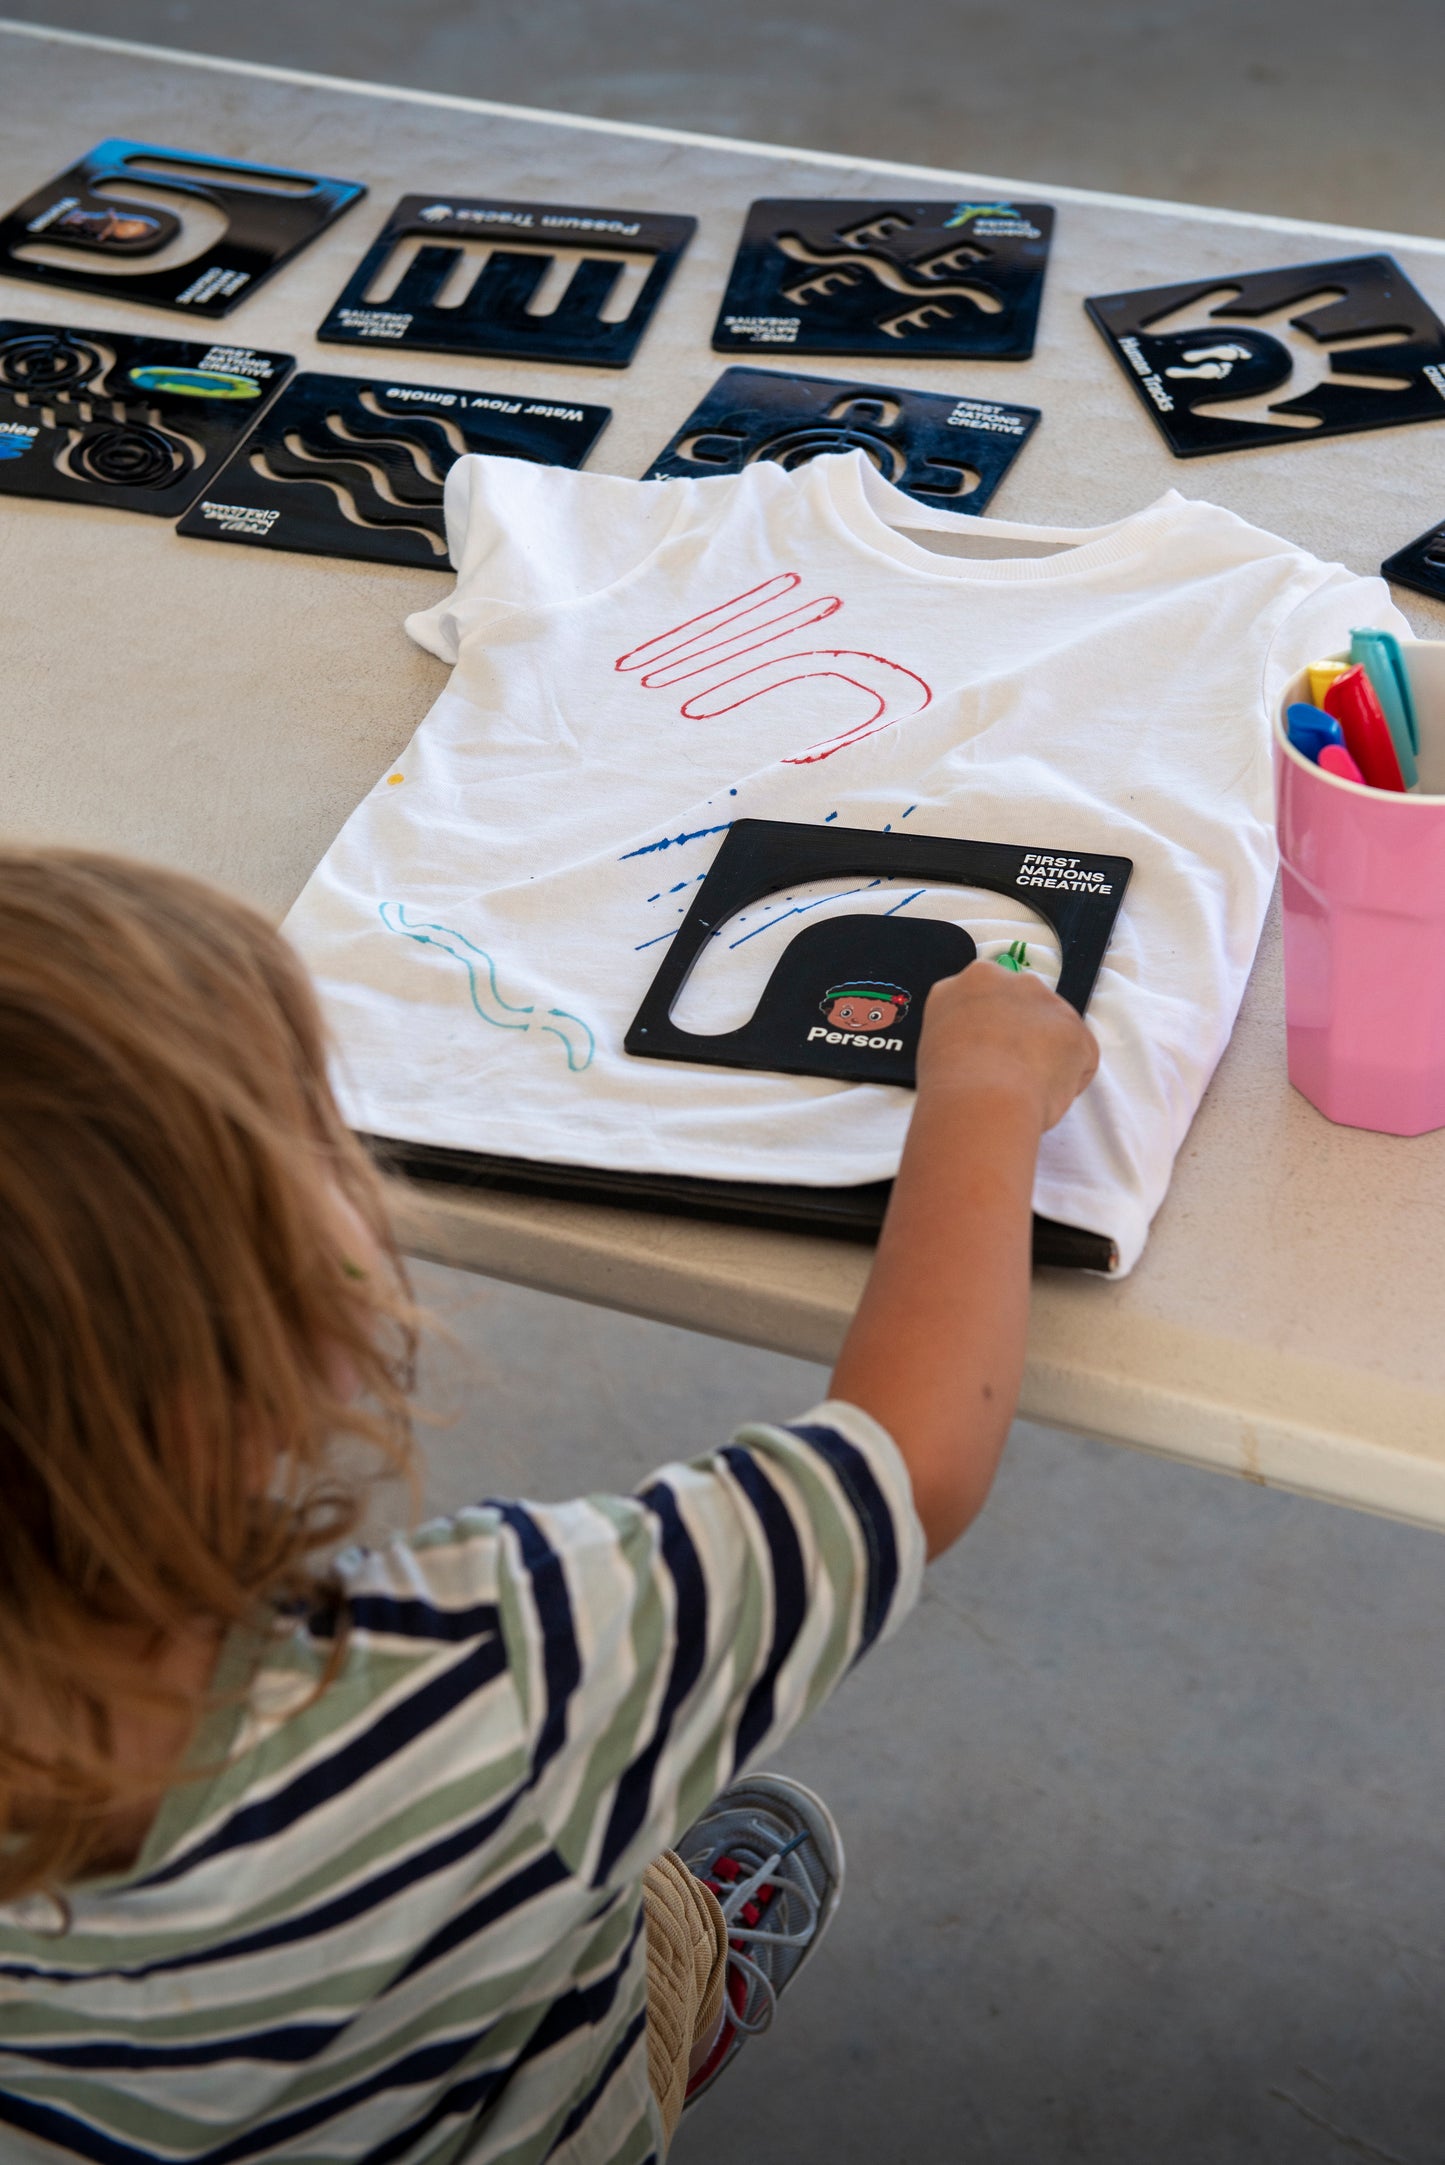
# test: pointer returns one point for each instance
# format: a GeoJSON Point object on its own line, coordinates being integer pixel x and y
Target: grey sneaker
{"type": "Point", "coordinates": [771, 1852]}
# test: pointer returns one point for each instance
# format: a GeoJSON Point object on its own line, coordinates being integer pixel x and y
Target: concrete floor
{"type": "Point", "coordinates": [1314, 108]}
{"type": "Point", "coordinates": [1142, 1809]}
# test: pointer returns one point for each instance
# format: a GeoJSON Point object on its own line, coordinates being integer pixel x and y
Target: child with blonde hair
{"type": "Point", "coordinates": [448, 1848]}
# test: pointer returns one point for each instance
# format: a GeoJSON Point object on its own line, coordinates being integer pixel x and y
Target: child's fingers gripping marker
{"type": "Point", "coordinates": [1005, 1027]}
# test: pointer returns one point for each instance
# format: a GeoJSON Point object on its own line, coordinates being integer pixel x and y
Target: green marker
{"type": "Point", "coordinates": [1014, 958]}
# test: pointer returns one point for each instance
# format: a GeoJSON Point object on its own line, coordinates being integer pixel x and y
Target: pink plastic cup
{"type": "Point", "coordinates": [1363, 875]}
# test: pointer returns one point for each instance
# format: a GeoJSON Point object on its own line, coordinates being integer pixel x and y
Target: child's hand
{"type": "Point", "coordinates": [991, 1026]}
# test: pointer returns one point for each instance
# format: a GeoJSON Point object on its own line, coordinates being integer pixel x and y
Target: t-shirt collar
{"type": "Point", "coordinates": [874, 513]}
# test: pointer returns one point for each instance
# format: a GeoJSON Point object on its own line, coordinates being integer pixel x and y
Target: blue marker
{"type": "Point", "coordinates": [1379, 654]}
{"type": "Point", "coordinates": [1310, 729]}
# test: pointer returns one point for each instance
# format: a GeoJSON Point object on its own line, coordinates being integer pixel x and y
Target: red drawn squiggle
{"type": "Point", "coordinates": [703, 645]}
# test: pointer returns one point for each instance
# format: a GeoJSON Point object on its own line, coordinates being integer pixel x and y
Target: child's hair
{"type": "Point", "coordinates": [190, 1315]}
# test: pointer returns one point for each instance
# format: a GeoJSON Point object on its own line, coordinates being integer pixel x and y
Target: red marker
{"type": "Point", "coordinates": [1336, 760]}
{"type": "Point", "coordinates": [1353, 702]}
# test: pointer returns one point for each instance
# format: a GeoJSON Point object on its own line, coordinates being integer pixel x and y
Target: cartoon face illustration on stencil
{"type": "Point", "coordinates": [864, 1005]}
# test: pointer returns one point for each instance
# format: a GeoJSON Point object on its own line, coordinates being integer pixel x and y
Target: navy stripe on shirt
{"type": "Point", "coordinates": [633, 1793]}
{"type": "Point", "coordinates": [561, 1662]}
{"type": "Point", "coordinates": [789, 1593]}
{"type": "Point", "coordinates": [860, 1485]}
{"type": "Point", "coordinates": [381, 1740]}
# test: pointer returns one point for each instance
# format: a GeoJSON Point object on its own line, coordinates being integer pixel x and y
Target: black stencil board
{"type": "Point", "coordinates": [270, 213]}
{"type": "Point", "coordinates": [837, 1213]}
{"type": "Point", "coordinates": [313, 474]}
{"type": "Point", "coordinates": [109, 417]}
{"type": "Point", "coordinates": [846, 997]}
{"type": "Point", "coordinates": [492, 315]}
{"type": "Point", "coordinates": [927, 281]}
{"type": "Point", "coordinates": [926, 442]}
{"type": "Point", "coordinates": [1420, 565]}
{"type": "Point", "coordinates": [1222, 357]}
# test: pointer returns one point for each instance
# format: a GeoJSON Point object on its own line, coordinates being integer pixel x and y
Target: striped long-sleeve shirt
{"type": "Point", "coordinates": [398, 1920]}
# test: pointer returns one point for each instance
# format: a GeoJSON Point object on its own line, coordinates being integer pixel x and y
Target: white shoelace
{"type": "Point", "coordinates": [737, 1898]}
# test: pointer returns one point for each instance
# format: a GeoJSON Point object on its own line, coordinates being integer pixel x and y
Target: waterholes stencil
{"type": "Point", "coordinates": [109, 417]}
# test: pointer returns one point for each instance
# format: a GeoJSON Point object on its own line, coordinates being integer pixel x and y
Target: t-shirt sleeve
{"type": "Point", "coordinates": [665, 1640]}
{"type": "Point", "coordinates": [522, 535]}
{"type": "Point", "coordinates": [1321, 624]}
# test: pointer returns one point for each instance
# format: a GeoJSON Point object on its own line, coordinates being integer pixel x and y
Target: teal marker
{"type": "Point", "coordinates": [1378, 653]}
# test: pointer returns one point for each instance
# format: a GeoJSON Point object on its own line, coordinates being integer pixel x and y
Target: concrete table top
{"type": "Point", "coordinates": [223, 709]}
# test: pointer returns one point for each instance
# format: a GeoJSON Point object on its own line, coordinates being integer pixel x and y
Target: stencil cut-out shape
{"type": "Point", "coordinates": [348, 466]}
{"type": "Point", "coordinates": [109, 417]}
{"type": "Point", "coordinates": [1384, 345]}
{"type": "Point", "coordinates": [503, 311]}
{"type": "Point", "coordinates": [488, 1002]}
{"type": "Point", "coordinates": [946, 451]}
{"type": "Point", "coordinates": [933, 280]}
{"type": "Point", "coordinates": [81, 229]}
{"type": "Point", "coordinates": [1078, 895]}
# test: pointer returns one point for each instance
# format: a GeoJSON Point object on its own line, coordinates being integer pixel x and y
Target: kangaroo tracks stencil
{"type": "Point", "coordinates": [940, 280]}
{"type": "Point", "coordinates": [948, 451]}
{"type": "Point", "coordinates": [1384, 344]}
{"type": "Point", "coordinates": [488, 1001]}
{"type": "Point", "coordinates": [705, 651]}
{"type": "Point", "coordinates": [343, 466]}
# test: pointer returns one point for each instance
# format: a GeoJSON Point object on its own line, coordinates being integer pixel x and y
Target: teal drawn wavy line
{"type": "Point", "coordinates": [440, 937]}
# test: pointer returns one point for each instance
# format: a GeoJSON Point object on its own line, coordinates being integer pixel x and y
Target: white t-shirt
{"type": "Point", "coordinates": [636, 664]}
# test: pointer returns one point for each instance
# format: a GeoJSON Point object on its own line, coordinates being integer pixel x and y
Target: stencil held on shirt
{"type": "Point", "coordinates": [726, 982]}
{"type": "Point", "coordinates": [415, 287]}
{"type": "Point", "coordinates": [845, 1000]}
{"type": "Point", "coordinates": [947, 451]}
{"type": "Point", "coordinates": [937, 280]}
{"type": "Point", "coordinates": [347, 467]}
{"type": "Point", "coordinates": [1384, 343]}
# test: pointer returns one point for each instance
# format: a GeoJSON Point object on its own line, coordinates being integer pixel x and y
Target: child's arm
{"type": "Point", "coordinates": [935, 1352]}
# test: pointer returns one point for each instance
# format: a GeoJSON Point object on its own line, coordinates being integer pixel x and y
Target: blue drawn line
{"type": "Point", "coordinates": [828, 817]}
{"type": "Point", "coordinates": [440, 936]}
{"type": "Point", "coordinates": [551, 1029]}
{"type": "Point", "coordinates": [637, 950]}
{"type": "Point", "coordinates": [657, 897]}
{"type": "Point", "coordinates": [671, 841]}
{"type": "Point", "coordinates": [801, 911]}
{"type": "Point", "coordinates": [911, 808]}
{"type": "Point", "coordinates": [905, 902]}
